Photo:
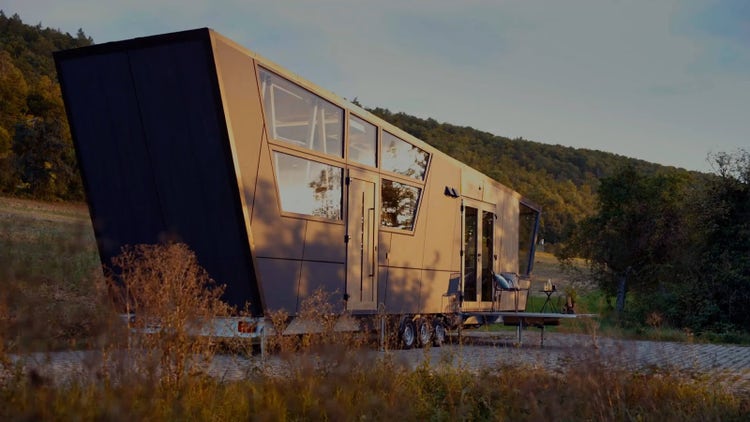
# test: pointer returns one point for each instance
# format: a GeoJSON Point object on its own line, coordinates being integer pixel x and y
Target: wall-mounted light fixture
{"type": "Point", "coordinates": [449, 191]}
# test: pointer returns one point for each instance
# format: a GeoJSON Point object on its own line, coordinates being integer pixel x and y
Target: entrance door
{"type": "Point", "coordinates": [361, 281]}
{"type": "Point", "coordinates": [488, 255]}
{"type": "Point", "coordinates": [471, 254]}
{"type": "Point", "coordinates": [479, 257]}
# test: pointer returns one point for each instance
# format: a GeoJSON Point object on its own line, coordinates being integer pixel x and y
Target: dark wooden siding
{"type": "Point", "coordinates": [153, 149]}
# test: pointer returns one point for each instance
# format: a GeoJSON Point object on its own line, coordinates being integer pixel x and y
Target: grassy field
{"type": "Point", "coordinates": [48, 267]}
{"type": "Point", "coordinates": [547, 267]}
{"type": "Point", "coordinates": [47, 239]}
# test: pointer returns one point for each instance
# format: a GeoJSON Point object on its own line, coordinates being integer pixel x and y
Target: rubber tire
{"type": "Point", "coordinates": [408, 334]}
{"type": "Point", "coordinates": [438, 333]}
{"type": "Point", "coordinates": [424, 332]}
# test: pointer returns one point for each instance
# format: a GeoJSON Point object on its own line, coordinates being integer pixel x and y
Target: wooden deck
{"type": "Point", "coordinates": [523, 320]}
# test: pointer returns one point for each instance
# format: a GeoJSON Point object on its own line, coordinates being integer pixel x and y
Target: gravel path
{"type": "Point", "coordinates": [727, 364]}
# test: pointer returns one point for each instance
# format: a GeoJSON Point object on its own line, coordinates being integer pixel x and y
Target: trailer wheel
{"type": "Point", "coordinates": [408, 334]}
{"type": "Point", "coordinates": [424, 331]}
{"type": "Point", "coordinates": [438, 337]}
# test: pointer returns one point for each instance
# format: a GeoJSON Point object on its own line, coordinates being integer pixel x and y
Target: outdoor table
{"type": "Point", "coordinates": [549, 302]}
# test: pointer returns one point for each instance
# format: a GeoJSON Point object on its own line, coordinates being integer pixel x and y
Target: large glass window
{"type": "Point", "coordinates": [363, 141]}
{"type": "Point", "coordinates": [299, 117]}
{"type": "Point", "coordinates": [488, 254]}
{"type": "Point", "coordinates": [399, 204]}
{"type": "Point", "coordinates": [471, 231]}
{"type": "Point", "coordinates": [309, 187]}
{"type": "Point", "coordinates": [404, 158]}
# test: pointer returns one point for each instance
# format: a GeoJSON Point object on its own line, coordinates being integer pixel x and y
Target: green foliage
{"type": "Point", "coordinates": [679, 244]}
{"type": "Point", "coordinates": [13, 91]}
{"type": "Point", "coordinates": [633, 239]}
{"type": "Point", "coordinates": [31, 46]}
{"type": "Point", "coordinates": [563, 180]}
{"type": "Point", "coordinates": [719, 295]}
{"type": "Point", "coordinates": [36, 152]}
{"type": "Point", "coordinates": [46, 161]}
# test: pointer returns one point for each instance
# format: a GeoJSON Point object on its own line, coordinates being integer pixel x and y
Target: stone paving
{"type": "Point", "coordinates": [726, 364]}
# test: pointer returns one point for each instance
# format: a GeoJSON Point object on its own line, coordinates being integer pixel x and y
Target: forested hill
{"type": "Point", "coordinates": [37, 158]}
{"type": "Point", "coordinates": [36, 152]}
{"type": "Point", "coordinates": [563, 180]}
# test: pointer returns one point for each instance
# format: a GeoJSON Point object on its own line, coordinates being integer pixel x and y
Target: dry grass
{"type": "Point", "coordinates": [384, 390]}
{"type": "Point", "coordinates": [49, 269]}
{"type": "Point", "coordinates": [51, 299]}
{"type": "Point", "coordinates": [547, 267]}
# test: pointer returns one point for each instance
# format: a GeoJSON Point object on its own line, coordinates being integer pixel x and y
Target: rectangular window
{"type": "Point", "coordinates": [399, 205]}
{"type": "Point", "coordinates": [309, 187]}
{"type": "Point", "coordinates": [299, 117]}
{"type": "Point", "coordinates": [404, 158]}
{"type": "Point", "coordinates": [363, 141]}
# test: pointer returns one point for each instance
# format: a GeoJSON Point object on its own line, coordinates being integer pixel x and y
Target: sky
{"type": "Point", "coordinates": [666, 81]}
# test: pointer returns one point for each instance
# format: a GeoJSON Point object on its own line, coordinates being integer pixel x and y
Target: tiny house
{"type": "Point", "coordinates": [281, 187]}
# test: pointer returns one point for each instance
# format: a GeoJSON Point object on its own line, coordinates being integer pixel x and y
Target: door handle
{"type": "Point", "coordinates": [371, 239]}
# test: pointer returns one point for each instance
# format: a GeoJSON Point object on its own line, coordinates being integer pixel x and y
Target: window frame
{"type": "Point", "coordinates": [318, 160]}
{"type": "Point", "coordinates": [417, 208]}
{"type": "Point", "coordinates": [286, 142]}
{"type": "Point", "coordinates": [378, 136]}
{"type": "Point", "coordinates": [423, 179]}
{"type": "Point", "coordinates": [344, 161]}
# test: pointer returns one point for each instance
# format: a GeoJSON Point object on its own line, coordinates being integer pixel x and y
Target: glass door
{"type": "Point", "coordinates": [487, 255]}
{"type": "Point", "coordinates": [471, 255]}
{"type": "Point", "coordinates": [478, 257]}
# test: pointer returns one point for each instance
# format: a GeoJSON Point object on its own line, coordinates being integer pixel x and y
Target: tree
{"type": "Point", "coordinates": [13, 92]}
{"type": "Point", "coordinates": [45, 100]}
{"type": "Point", "coordinates": [82, 38]}
{"type": "Point", "coordinates": [721, 264]}
{"type": "Point", "coordinates": [632, 240]}
{"type": "Point", "coordinates": [45, 160]}
{"type": "Point", "coordinates": [30, 102]}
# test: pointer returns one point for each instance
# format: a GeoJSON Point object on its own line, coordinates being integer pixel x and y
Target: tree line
{"type": "Point", "coordinates": [563, 180]}
{"type": "Point", "coordinates": [673, 247]}
{"type": "Point", "coordinates": [37, 159]}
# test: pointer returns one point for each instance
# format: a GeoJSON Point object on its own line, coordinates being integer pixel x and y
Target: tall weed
{"type": "Point", "coordinates": [51, 285]}
{"type": "Point", "coordinates": [173, 300]}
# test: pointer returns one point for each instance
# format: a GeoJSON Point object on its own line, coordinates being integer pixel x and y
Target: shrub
{"type": "Point", "coordinates": [173, 299]}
